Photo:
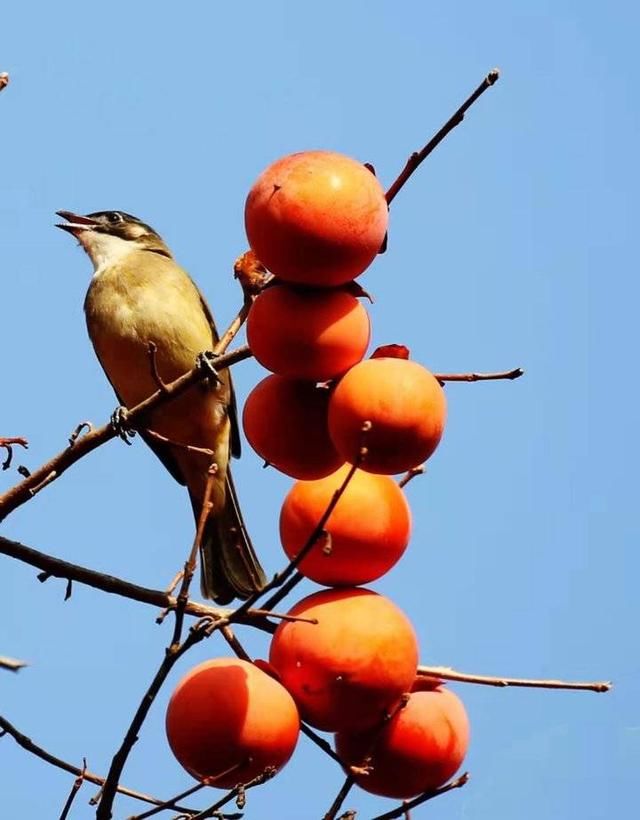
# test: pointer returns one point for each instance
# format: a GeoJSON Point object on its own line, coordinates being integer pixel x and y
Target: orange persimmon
{"type": "Point", "coordinates": [345, 671]}
{"type": "Point", "coordinates": [369, 528]}
{"type": "Point", "coordinates": [307, 334]}
{"type": "Point", "coordinates": [227, 721]}
{"type": "Point", "coordinates": [316, 218]}
{"type": "Point", "coordinates": [285, 421]}
{"type": "Point", "coordinates": [405, 405]}
{"type": "Point", "coordinates": [417, 751]}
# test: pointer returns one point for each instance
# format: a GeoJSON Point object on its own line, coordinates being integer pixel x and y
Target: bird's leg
{"type": "Point", "coordinates": [119, 422]}
{"type": "Point", "coordinates": [204, 361]}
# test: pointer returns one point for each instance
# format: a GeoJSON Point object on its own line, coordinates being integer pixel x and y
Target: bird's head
{"type": "Point", "coordinates": [107, 236]}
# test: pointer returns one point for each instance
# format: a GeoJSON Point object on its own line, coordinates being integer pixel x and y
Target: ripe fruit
{"type": "Point", "coordinates": [316, 218]}
{"type": "Point", "coordinates": [406, 407]}
{"type": "Point", "coordinates": [420, 748]}
{"type": "Point", "coordinates": [228, 714]}
{"type": "Point", "coordinates": [286, 423]}
{"type": "Point", "coordinates": [369, 528]}
{"type": "Point", "coordinates": [307, 334]}
{"type": "Point", "coordinates": [346, 670]}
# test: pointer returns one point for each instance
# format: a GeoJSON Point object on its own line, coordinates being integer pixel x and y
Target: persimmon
{"type": "Point", "coordinates": [417, 751]}
{"type": "Point", "coordinates": [369, 528]}
{"type": "Point", "coordinates": [405, 405]}
{"type": "Point", "coordinates": [285, 421]}
{"type": "Point", "coordinates": [316, 218]}
{"type": "Point", "coordinates": [227, 721]}
{"type": "Point", "coordinates": [308, 334]}
{"type": "Point", "coordinates": [351, 666]}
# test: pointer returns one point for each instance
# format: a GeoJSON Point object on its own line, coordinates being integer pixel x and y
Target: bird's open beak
{"type": "Point", "coordinates": [75, 223]}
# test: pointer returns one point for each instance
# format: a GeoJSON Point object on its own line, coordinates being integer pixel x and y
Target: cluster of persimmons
{"type": "Point", "coordinates": [347, 663]}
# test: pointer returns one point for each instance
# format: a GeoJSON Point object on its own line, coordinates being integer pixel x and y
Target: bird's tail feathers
{"type": "Point", "coordinates": [229, 565]}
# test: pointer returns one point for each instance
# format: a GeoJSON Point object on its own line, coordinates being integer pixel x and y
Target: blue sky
{"type": "Point", "coordinates": [511, 247]}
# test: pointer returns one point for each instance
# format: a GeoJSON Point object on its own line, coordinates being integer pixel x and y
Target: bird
{"type": "Point", "coordinates": [138, 298]}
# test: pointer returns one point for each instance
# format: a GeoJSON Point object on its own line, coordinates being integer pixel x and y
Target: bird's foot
{"type": "Point", "coordinates": [120, 424]}
{"type": "Point", "coordinates": [204, 362]}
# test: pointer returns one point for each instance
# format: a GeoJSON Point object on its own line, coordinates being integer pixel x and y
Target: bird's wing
{"type": "Point", "coordinates": [233, 407]}
{"type": "Point", "coordinates": [162, 451]}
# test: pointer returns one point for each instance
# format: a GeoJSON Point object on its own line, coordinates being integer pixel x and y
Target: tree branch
{"type": "Point", "coordinates": [28, 745]}
{"type": "Point", "coordinates": [419, 156]}
{"type": "Point", "coordinates": [201, 630]}
{"type": "Point", "coordinates": [56, 567]}
{"type": "Point", "coordinates": [407, 805]}
{"type": "Point", "coordinates": [479, 377]}
{"type": "Point", "coordinates": [53, 469]}
{"type": "Point", "coordinates": [446, 673]}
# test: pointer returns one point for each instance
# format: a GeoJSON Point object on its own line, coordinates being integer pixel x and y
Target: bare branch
{"type": "Point", "coordinates": [168, 804]}
{"type": "Point", "coordinates": [22, 492]}
{"type": "Point", "coordinates": [418, 157]}
{"type": "Point", "coordinates": [199, 631]}
{"type": "Point", "coordinates": [192, 559]}
{"type": "Point", "coordinates": [56, 567]}
{"type": "Point", "coordinates": [28, 745]}
{"type": "Point", "coordinates": [479, 377]}
{"type": "Point", "coordinates": [75, 788]}
{"type": "Point", "coordinates": [446, 673]}
{"type": "Point", "coordinates": [407, 805]}
{"type": "Point", "coordinates": [236, 793]}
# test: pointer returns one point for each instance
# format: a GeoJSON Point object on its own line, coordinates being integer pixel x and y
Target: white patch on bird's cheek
{"type": "Point", "coordinates": [104, 249]}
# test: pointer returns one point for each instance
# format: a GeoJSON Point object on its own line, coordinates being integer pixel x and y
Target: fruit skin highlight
{"type": "Point", "coordinates": [228, 713]}
{"type": "Point", "coordinates": [316, 218]}
{"type": "Point", "coordinates": [369, 528]}
{"type": "Point", "coordinates": [347, 670]}
{"type": "Point", "coordinates": [308, 334]}
{"type": "Point", "coordinates": [407, 409]}
{"type": "Point", "coordinates": [420, 748]}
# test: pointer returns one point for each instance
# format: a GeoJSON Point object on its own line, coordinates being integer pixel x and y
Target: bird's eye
{"type": "Point", "coordinates": [114, 217]}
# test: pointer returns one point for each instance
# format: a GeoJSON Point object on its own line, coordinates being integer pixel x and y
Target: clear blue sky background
{"type": "Point", "coordinates": [512, 246]}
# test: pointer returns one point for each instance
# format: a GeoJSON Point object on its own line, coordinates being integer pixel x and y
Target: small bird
{"type": "Point", "coordinates": [140, 296]}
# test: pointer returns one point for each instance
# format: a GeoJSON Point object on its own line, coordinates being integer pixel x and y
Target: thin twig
{"type": "Point", "coordinates": [190, 448]}
{"type": "Point", "coordinates": [267, 774]}
{"type": "Point", "coordinates": [28, 745]}
{"type": "Point", "coordinates": [75, 788]}
{"type": "Point", "coordinates": [320, 742]}
{"type": "Point", "coordinates": [418, 157]}
{"type": "Point", "coordinates": [364, 765]}
{"type": "Point", "coordinates": [7, 444]}
{"type": "Point", "coordinates": [340, 797]}
{"type": "Point", "coordinates": [407, 805]}
{"type": "Point", "coordinates": [11, 664]}
{"type": "Point", "coordinates": [278, 581]}
{"type": "Point", "coordinates": [22, 492]}
{"type": "Point", "coordinates": [56, 567]}
{"type": "Point", "coordinates": [411, 474]}
{"type": "Point", "coordinates": [479, 377]}
{"type": "Point", "coordinates": [152, 351]}
{"type": "Point", "coordinates": [201, 630]}
{"type": "Point", "coordinates": [78, 430]}
{"type": "Point", "coordinates": [230, 637]}
{"type": "Point", "coordinates": [168, 804]}
{"type": "Point", "coordinates": [446, 673]}
{"type": "Point", "coordinates": [191, 562]}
